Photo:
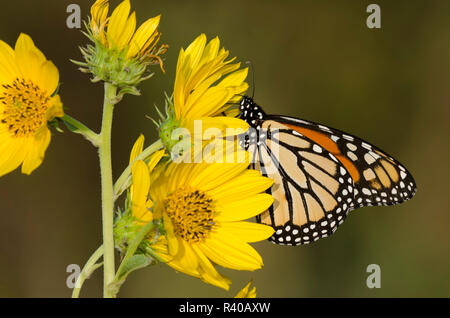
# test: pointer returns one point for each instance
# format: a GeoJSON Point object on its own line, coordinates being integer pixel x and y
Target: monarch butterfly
{"type": "Point", "coordinates": [320, 174]}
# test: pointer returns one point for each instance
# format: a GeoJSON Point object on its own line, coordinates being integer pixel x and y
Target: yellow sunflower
{"type": "Point", "coordinates": [203, 207]}
{"type": "Point", "coordinates": [28, 85]}
{"type": "Point", "coordinates": [207, 85]}
{"type": "Point", "coordinates": [119, 31]}
{"type": "Point", "coordinates": [200, 87]}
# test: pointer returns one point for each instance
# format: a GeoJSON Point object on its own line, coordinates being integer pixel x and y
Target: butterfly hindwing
{"type": "Point", "coordinates": [313, 191]}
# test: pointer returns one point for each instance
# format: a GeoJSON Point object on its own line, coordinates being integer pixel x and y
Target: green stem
{"type": "Point", "coordinates": [79, 128]}
{"type": "Point", "coordinates": [87, 271]}
{"type": "Point", "coordinates": [124, 180]}
{"type": "Point", "coordinates": [107, 188]}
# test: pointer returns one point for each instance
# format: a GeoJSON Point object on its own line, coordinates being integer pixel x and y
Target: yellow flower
{"type": "Point", "coordinates": [138, 211]}
{"type": "Point", "coordinates": [139, 189]}
{"type": "Point", "coordinates": [206, 86]}
{"type": "Point", "coordinates": [99, 15]}
{"type": "Point", "coordinates": [246, 292]}
{"type": "Point", "coordinates": [203, 207]}
{"type": "Point", "coordinates": [119, 31]}
{"type": "Point", "coordinates": [28, 100]}
{"type": "Point", "coordinates": [198, 92]}
{"type": "Point", "coordinates": [121, 54]}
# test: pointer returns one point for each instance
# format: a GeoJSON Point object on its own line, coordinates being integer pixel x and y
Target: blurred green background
{"type": "Point", "coordinates": [313, 59]}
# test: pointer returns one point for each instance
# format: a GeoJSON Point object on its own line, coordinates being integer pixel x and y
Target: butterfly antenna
{"type": "Point", "coordinates": [253, 75]}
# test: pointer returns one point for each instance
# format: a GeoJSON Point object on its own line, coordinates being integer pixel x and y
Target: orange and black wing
{"type": "Point", "coordinates": [379, 178]}
{"type": "Point", "coordinates": [320, 174]}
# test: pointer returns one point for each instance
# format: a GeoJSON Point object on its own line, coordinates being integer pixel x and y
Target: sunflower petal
{"type": "Point", "coordinates": [55, 109]}
{"type": "Point", "coordinates": [137, 148]}
{"type": "Point", "coordinates": [238, 210]}
{"type": "Point", "coordinates": [215, 174]}
{"type": "Point", "coordinates": [208, 273]}
{"type": "Point", "coordinates": [186, 256]}
{"type": "Point", "coordinates": [171, 238]}
{"type": "Point", "coordinates": [194, 52]}
{"type": "Point", "coordinates": [139, 188]}
{"type": "Point", "coordinates": [117, 22]}
{"type": "Point", "coordinates": [99, 11]}
{"type": "Point", "coordinates": [249, 183]}
{"type": "Point", "coordinates": [8, 67]}
{"type": "Point", "coordinates": [35, 154]}
{"type": "Point", "coordinates": [49, 77]}
{"type": "Point", "coordinates": [246, 293]}
{"type": "Point", "coordinates": [140, 40]}
{"type": "Point", "coordinates": [13, 152]}
{"type": "Point", "coordinates": [247, 231]}
{"type": "Point", "coordinates": [235, 79]}
{"type": "Point", "coordinates": [226, 250]}
{"type": "Point", "coordinates": [29, 58]}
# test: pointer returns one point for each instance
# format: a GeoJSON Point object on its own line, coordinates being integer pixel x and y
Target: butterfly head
{"type": "Point", "coordinates": [250, 112]}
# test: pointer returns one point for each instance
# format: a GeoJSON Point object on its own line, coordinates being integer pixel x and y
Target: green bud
{"type": "Point", "coordinates": [111, 65]}
{"type": "Point", "coordinates": [125, 230]}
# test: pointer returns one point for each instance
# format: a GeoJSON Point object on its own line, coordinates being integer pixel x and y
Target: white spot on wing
{"type": "Point", "coordinates": [352, 155]}
{"type": "Point", "coordinates": [324, 128]}
{"type": "Point", "coordinates": [351, 146]}
{"type": "Point", "coordinates": [375, 155]}
{"type": "Point", "coordinates": [369, 159]}
{"type": "Point", "coordinates": [403, 174]}
{"type": "Point", "coordinates": [347, 137]}
{"type": "Point", "coordinates": [296, 120]}
{"type": "Point", "coordinates": [317, 149]}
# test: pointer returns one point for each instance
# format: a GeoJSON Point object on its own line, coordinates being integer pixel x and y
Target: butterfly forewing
{"type": "Point", "coordinates": [379, 178]}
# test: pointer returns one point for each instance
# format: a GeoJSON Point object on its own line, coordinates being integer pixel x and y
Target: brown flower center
{"type": "Point", "coordinates": [25, 107]}
{"type": "Point", "coordinates": [192, 214]}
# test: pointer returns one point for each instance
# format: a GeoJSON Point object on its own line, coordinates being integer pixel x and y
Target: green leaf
{"type": "Point", "coordinates": [131, 90]}
{"type": "Point", "coordinates": [132, 264]}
